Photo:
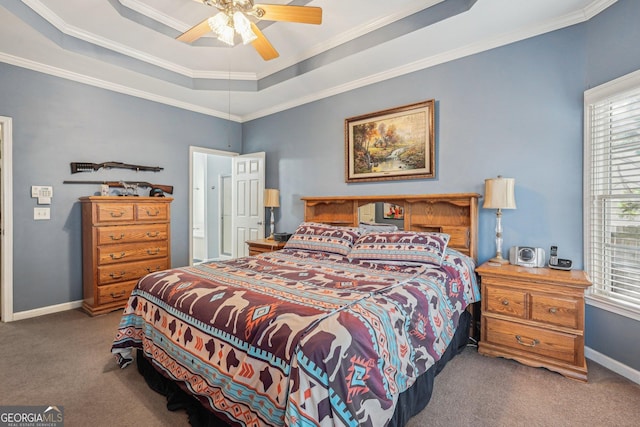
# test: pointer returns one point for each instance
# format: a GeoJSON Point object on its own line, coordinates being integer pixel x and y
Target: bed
{"type": "Point", "coordinates": [344, 326]}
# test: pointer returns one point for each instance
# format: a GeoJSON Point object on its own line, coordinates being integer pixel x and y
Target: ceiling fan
{"type": "Point", "coordinates": [233, 18]}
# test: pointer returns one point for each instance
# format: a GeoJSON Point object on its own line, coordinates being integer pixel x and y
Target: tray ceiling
{"type": "Point", "coordinates": [129, 46]}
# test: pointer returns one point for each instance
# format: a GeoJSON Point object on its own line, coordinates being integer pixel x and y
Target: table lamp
{"type": "Point", "coordinates": [271, 200]}
{"type": "Point", "coordinates": [499, 193]}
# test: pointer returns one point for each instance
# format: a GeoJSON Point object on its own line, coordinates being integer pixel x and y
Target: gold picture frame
{"type": "Point", "coordinates": [393, 144]}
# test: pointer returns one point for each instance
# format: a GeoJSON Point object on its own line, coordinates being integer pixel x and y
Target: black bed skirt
{"type": "Point", "coordinates": [410, 402]}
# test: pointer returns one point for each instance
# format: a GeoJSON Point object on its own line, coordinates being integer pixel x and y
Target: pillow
{"type": "Point", "coordinates": [406, 246]}
{"type": "Point", "coordinates": [322, 237]}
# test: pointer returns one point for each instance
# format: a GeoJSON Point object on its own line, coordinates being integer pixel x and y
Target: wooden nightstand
{"type": "Point", "coordinates": [264, 245]}
{"type": "Point", "coordinates": [534, 316]}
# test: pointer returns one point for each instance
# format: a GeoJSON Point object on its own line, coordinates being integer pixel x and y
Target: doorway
{"type": "Point", "coordinates": [226, 206]}
{"type": "Point", "coordinates": [210, 226]}
{"type": "Point", "coordinates": [6, 220]}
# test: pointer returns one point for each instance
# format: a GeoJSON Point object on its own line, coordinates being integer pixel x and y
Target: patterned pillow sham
{"type": "Point", "coordinates": [322, 237]}
{"type": "Point", "coordinates": [405, 246]}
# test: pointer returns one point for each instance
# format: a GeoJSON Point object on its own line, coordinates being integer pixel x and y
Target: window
{"type": "Point", "coordinates": [612, 193]}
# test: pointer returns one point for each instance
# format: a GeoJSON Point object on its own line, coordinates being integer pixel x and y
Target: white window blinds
{"type": "Point", "coordinates": [612, 196]}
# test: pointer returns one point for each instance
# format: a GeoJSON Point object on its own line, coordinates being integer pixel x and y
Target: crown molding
{"type": "Point", "coordinates": [126, 90]}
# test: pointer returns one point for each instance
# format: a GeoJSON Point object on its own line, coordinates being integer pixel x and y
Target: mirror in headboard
{"type": "Point", "coordinates": [382, 213]}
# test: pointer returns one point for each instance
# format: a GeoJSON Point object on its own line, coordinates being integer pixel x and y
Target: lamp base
{"type": "Point", "coordinates": [270, 237]}
{"type": "Point", "coordinates": [498, 260]}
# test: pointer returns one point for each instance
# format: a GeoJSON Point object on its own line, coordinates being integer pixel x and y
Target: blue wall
{"type": "Point", "coordinates": [55, 122]}
{"type": "Point", "coordinates": [516, 111]}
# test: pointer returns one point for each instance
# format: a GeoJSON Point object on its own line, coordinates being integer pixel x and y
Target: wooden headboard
{"type": "Point", "coordinates": [455, 214]}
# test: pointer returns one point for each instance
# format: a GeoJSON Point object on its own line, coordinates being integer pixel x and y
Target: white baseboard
{"type": "Point", "coordinates": [47, 310]}
{"type": "Point", "coordinates": [613, 365]}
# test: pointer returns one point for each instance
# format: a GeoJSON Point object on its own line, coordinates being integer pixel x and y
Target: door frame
{"type": "Point", "coordinates": [6, 222]}
{"type": "Point", "coordinates": [195, 149]}
{"type": "Point", "coordinates": [221, 185]}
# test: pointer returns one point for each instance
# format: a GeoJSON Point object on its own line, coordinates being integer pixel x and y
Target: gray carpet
{"type": "Point", "coordinates": [63, 359]}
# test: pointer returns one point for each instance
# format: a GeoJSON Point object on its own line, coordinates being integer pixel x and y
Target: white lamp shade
{"type": "Point", "coordinates": [499, 193]}
{"type": "Point", "coordinates": [271, 198]}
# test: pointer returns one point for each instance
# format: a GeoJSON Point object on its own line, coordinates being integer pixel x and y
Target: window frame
{"type": "Point", "coordinates": [592, 96]}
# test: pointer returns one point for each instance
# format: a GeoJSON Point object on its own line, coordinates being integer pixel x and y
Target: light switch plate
{"type": "Point", "coordinates": [41, 213]}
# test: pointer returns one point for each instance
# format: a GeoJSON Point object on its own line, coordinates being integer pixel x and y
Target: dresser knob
{"type": "Point", "coordinates": [117, 215]}
{"type": "Point", "coordinates": [118, 295]}
{"type": "Point", "coordinates": [505, 302]}
{"type": "Point", "coordinates": [117, 238]}
{"type": "Point", "coordinates": [553, 310]}
{"type": "Point", "coordinates": [156, 234]}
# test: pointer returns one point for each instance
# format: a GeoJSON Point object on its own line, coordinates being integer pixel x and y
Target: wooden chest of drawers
{"type": "Point", "coordinates": [123, 239]}
{"type": "Point", "coordinates": [534, 316]}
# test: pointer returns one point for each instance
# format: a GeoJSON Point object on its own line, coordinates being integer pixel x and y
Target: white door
{"type": "Point", "coordinates": [247, 210]}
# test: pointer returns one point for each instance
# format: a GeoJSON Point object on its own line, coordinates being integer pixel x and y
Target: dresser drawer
{"type": "Point", "coordinates": [115, 293]}
{"type": "Point", "coordinates": [543, 342]}
{"type": "Point", "coordinates": [508, 302]}
{"type": "Point", "coordinates": [112, 254]}
{"type": "Point", "coordinates": [152, 211]}
{"type": "Point", "coordinates": [556, 311]}
{"type": "Point", "coordinates": [114, 212]}
{"type": "Point", "coordinates": [130, 270]}
{"type": "Point", "coordinates": [132, 233]}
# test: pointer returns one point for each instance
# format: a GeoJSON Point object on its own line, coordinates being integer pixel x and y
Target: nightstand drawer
{"type": "Point", "coordinates": [508, 302]}
{"type": "Point", "coordinates": [550, 344]}
{"type": "Point", "coordinates": [557, 311]}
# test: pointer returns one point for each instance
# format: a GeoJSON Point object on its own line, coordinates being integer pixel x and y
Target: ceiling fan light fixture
{"type": "Point", "coordinates": [218, 22]}
{"type": "Point", "coordinates": [226, 35]}
{"type": "Point", "coordinates": [243, 27]}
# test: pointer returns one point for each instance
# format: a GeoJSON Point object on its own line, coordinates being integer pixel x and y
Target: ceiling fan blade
{"type": "Point", "coordinates": [262, 45]}
{"type": "Point", "coordinates": [196, 32]}
{"type": "Point", "coordinates": [287, 13]}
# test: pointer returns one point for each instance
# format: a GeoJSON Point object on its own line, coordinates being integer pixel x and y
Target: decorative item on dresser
{"type": "Point", "coordinates": [534, 316]}
{"type": "Point", "coordinates": [123, 239]}
{"type": "Point", "coordinates": [264, 245]}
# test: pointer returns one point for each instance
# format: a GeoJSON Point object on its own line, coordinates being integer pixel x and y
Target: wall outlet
{"type": "Point", "coordinates": [41, 213]}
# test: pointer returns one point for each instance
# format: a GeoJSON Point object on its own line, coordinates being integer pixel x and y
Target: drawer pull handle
{"type": "Point", "coordinates": [156, 234]}
{"type": "Point", "coordinates": [553, 310]}
{"type": "Point", "coordinates": [152, 252]}
{"type": "Point", "coordinates": [153, 213]}
{"type": "Point", "coordinates": [117, 238]}
{"type": "Point", "coordinates": [533, 342]}
{"type": "Point", "coordinates": [118, 295]}
{"type": "Point", "coordinates": [116, 276]}
{"type": "Point", "coordinates": [151, 270]}
{"type": "Point", "coordinates": [122, 255]}
{"type": "Point", "coordinates": [117, 215]}
{"type": "Point", "coordinates": [505, 302]}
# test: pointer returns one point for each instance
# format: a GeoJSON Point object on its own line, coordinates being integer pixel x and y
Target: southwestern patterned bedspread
{"type": "Point", "coordinates": [298, 337]}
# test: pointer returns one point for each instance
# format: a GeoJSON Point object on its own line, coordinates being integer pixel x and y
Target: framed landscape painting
{"type": "Point", "coordinates": [392, 144]}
